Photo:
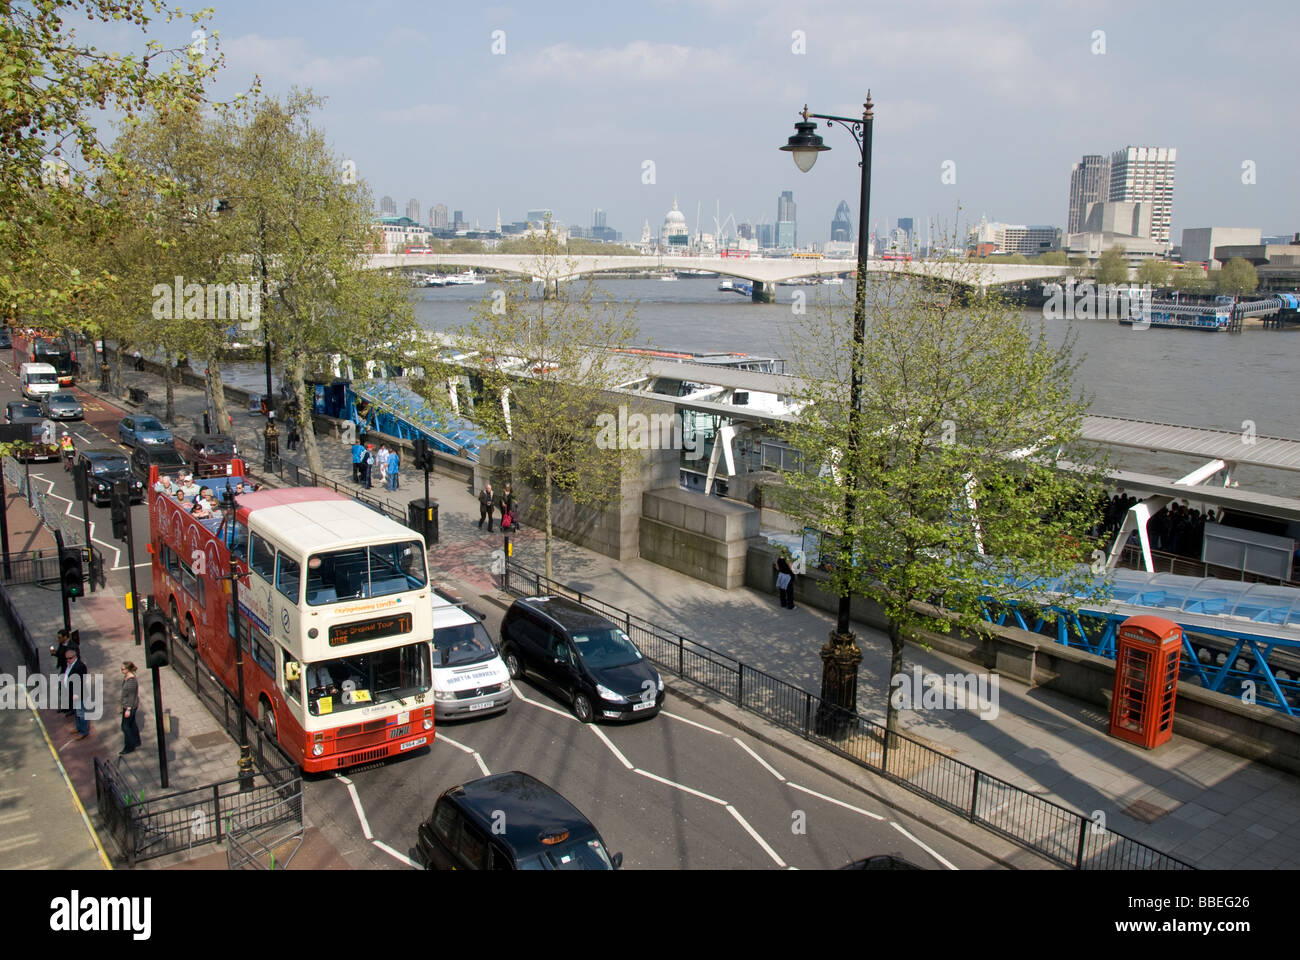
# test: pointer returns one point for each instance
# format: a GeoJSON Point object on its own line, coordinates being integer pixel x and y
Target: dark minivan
{"type": "Point", "coordinates": [585, 658]}
{"type": "Point", "coordinates": [510, 821]}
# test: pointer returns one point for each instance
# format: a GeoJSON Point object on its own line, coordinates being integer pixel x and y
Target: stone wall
{"type": "Point", "coordinates": [707, 538]}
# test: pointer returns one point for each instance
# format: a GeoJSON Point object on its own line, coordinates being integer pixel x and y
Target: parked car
{"type": "Point", "coordinates": [168, 461]}
{"type": "Point", "coordinates": [21, 410]}
{"type": "Point", "coordinates": [510, 821]}
{"type": "Point", "coordinates": [107, 467]}
{"type": "Point", "coordinates": [884, 861]}
{"type": "Point", "coordinates": [469, 678]}
{"type": "Point", "coordinates": [43, 445]}
{"type": "Point", "coordinates": [135, 430]}
{"type": "Point", "coordinates": [62, 406]}
{"type": "Point", "coordinates": [6, 338]}
{"type": "Point", "coordinates": [585, 658]}
{"type": "Point", "coordinates": [210, 453]}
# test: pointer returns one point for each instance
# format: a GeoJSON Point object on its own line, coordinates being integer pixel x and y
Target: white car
{"type": "Point", "coordinates": [469, 678]}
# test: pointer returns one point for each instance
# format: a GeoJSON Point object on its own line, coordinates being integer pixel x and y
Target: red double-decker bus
{"type": "Point", "coordinates": [334, 615]}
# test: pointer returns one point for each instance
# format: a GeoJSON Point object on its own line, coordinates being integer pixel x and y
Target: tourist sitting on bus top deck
{"type": "Point", "coordinates": [201, 510]}
{"type": "Point", "coordinates": [165, 486]}
{"type": "Point", "coordinates": [373, 571]}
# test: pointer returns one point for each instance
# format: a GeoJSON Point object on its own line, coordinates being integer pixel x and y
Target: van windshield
{"type": "Point", "coordinates": [42, 378]}
{"type": "Point", "coordinates": [464, 643]}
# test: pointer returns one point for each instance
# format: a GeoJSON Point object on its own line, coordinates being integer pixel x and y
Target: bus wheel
{"type": "Point", "coordinates": [191, 634]}
{"type": "Point", "coordinates": [266, 718]}
{"type": "Point", "coordinates": [176, 617]}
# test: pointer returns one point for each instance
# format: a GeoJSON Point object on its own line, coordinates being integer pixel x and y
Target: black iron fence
{"type": "Point", "coordinates": [147, 828]}
{"type": "Point", "coordinates": [42, 566]}
{"type": "Point", "coordinates": [1056, 832]}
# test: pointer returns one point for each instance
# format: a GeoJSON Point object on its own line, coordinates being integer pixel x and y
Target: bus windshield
{"type": "Point", "coordinates": [343, 684]}
{"type": "Point", "coordinates": [373, 571]}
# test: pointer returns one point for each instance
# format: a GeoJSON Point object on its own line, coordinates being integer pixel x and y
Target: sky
{"type": "Point", "coordinates": [627, 105]}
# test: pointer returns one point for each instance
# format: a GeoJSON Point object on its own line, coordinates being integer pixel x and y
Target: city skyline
{"type": "Point", "coordinates": [623, 109]}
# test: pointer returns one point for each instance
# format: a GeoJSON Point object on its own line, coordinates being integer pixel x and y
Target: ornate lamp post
{"type": "Point", "coordinates": [841, 655]}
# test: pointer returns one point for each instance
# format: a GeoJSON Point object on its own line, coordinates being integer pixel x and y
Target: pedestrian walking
{"type": "Point", "coordinates": [358, 454]}
{"type": "Point", "coordinates": [291, 426]}
{"type": "Point", "coordinates": [59, 649]}
{"type": "Point", "coordinates": [785, 582]}
{"type": "Point", "coordinates": [394, 465]}
{"type": "Point", "coordinates": [130, 705]}
{"type": "Point", "coordinates": [74, 682]}
{"type": "Point", "coordinates": [507, 508]}
{"type": "Point", "coordinates": [486, 503]}
{"type": "Point", "coordinates": [367, 465]}
{"type": "Point", "coordinates": [381, 461]}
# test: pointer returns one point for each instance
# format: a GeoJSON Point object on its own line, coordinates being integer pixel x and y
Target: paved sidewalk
{"type": "Point", "coordinates": [1206, 806]}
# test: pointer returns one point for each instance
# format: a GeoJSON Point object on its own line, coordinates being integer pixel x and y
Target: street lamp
{"type": "Point", "coordinates": [841, 655]}
{"type": "Point", "coordinates": [245, 763]}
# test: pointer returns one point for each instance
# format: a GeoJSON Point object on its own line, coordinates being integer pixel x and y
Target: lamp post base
{"type": "Point", "coordinates": [839, 699]}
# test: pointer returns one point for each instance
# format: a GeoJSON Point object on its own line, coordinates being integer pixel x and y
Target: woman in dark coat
{"type": "Point", "coordinates": [130, 705]}
{"type": "Point", "coordinates": [785, 582]}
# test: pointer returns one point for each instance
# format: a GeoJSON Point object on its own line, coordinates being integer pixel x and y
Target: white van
{"type": "Point", "coordinates": [468, 675]}
{"type": "Point", "coordinates": [38, 379]}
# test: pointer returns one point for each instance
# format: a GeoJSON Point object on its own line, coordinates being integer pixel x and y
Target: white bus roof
{"type": "Point", "coordinates": [309, 525]}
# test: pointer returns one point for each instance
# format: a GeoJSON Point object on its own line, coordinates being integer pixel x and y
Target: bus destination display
{"type": "Point", "coordinates": [369, 629]}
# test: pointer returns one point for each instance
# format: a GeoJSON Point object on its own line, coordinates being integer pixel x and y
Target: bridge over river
{"type": "Point", "coordinates": [763, 273]}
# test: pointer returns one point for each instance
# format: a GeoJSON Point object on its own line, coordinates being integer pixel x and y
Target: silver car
{"type": "Point", "coordinates": [62, 406]}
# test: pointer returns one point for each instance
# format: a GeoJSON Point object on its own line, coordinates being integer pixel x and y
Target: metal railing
{"type": "Point", "coordinates": [1049, 829]}
{"type": "Point", "coordinates": [154, 827]}
{"type": "Point", "coordinates": [50, 510]}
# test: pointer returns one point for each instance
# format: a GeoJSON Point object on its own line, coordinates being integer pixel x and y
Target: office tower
{"type": "Point", "coordinates": [387, 207]}
{"type": "Point", "coordinates": [763, 234]}
{"type": "Point", "coordinates": [745, 231]}
{"type": "Point", "coordinates": [598, 217]}
{"type": "Point", "coordinates": [439, 215]}
{"type": "Point", "coordinates": [1146, 175]}
{"type": "Point", "coordinates": [413, 210]}
{"type": "Point", "coordinates": [786, 231]}
{"type": "Point", "coordinates": [1089, 183]}
{"type": "Point", "coordinates": [906, 224]}
{"type": "Point", "coordinates": [458, 221]}
{"type": "Point", "coordinates": [842, 223]}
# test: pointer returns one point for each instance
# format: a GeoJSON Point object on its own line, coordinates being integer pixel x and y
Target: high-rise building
{"type": "Point", "coordinates": [387, 207]}
{"type": "Point", "coordinates": [413, 210]}
{"type": "Point", "coordinates": [907, 224]}
{"type": "Point", "coordinates": [458, 221]}
{"type": "Point", "coordinates": [598, 217]}
{"type": "Point", "coordinates": [763, 234]}
{"type": "Point", "coordinates": [787, 236]}
{"type": "Point", "coordinates": [842, 223]}
{"type": "Point", "coordinates": [539, 217]}
{"type": "Point", "coordinates": [745, 231]}
{"type": "Point", "coordinates": [1146, 175]}
{"type": "Point", "coordinates": [439, 215]}
{"type": "Point", "coordinates": [1089, 183]}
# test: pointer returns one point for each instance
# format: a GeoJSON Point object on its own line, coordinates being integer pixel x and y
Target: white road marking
{"type": "Point", "coordinates": [665, 713]}
{"type": "Point", "coordinates": [393, 853]}
{"type": "Point", "coordinates": [470, 750]}
{"type": "Point", "coordinates": [763, 763]}
{"type": "Point", "coordinates": [681, 786]}
{"type": "Point", "coordinates": [615, 750]}
{"type": "Point", "coordinates": [361, 813]}
{"type": "Point", "coordinates": [922, 845]}
{"type": "Point", "coordinates": [544, 706]}
{"type": "Point", "coordinates": [838, 803]}
{"type": "Point", "coordinates": [754, 833]}
{"type": "Point", "coordinates": [117, 554]}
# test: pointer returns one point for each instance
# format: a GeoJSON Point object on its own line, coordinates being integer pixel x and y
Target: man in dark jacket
{"type": "Point", "coordinates": [74, 681]}
{"type": "Point", "coordinates": [486, 504]}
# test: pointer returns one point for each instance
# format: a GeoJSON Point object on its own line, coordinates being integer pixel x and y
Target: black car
{"type": "Point", "coordinates": [22, 410]}
{"type": "Point", "coordinates": [6, 338]}
{"type": "Point", "coordinates": [106, 467]}
{"type": "Point", "coordinates": [510, 821]}
{"type": "Point", "coordinates": [585, 658]}
{"type": "Point", "coordinates": [167, 459]}
{"type": "Point", "coordinates": [883, 861]}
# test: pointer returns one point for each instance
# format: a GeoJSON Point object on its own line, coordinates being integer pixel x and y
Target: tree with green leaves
{"type": "Point", "coordinates": [1190, 278]}
{"type": "Point", "coordinates": [1237, 278]}
{"type": "Point", "coordinates": [307, 225]}
{"type": "Point", "coordinates": [1112, 266]}
{"type": "Point", "coordinates": [947, 486]}
{"type": "Point", "coordinates": [1053, 258]}
{"type": "Point", "coordinates": [1155, 272]}
{"type": "Point", "coordinates": [1080, 266]}
{"type": "Point", "coordinates": [53, 156]}
{"type": "Point", "coordinates": [546, 366]}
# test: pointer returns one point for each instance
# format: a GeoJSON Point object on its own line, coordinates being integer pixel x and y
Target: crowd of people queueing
{"type": "Point", "coordinates": [1178, 528]}
{"type": "Point", "coordinates": [367, 462]}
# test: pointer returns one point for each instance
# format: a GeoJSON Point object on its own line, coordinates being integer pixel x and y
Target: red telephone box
{"type": "Point", "coordinates": [1146, 680]}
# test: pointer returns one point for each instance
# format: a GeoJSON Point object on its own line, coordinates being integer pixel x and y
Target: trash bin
{"type": "Point", "coordinates": [423, 519]}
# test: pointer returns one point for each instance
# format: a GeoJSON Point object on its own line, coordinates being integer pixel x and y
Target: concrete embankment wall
{"type": "Point", "coordinates": [1246, 730]}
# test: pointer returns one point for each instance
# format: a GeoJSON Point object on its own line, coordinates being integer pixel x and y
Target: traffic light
{"type": "Point", "coordinates": [423, 455]}
{"type": "Point", "coordinates": [155, 632]}
{"type": "Point", "coordinates": [71, 577]}
{"type": "Point", "coordinates": [119, 505]}
{"type": "Point", "coordinates": [81, 478]}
